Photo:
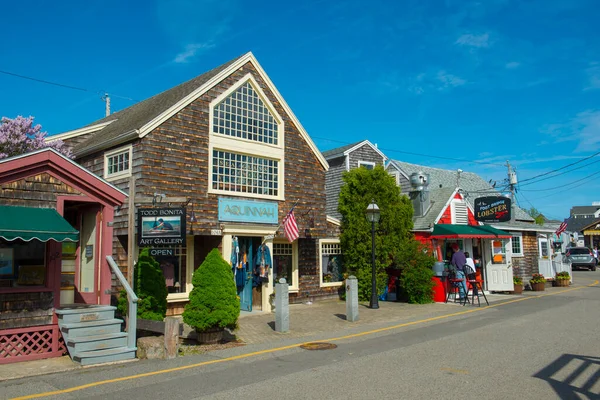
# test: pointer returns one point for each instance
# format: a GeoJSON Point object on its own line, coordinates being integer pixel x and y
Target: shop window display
{"type": "Point", "coordinates": [22, 263]}
{"type": "Point", "coordinates": [174, 269]}
{"type": "Point", "coordinates": [283, 262]}
{"type": "Point", "coordinates": [332, 263]}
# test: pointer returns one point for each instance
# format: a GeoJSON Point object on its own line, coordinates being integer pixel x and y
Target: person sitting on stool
{"type": "Point", "coordinates": [472, 275]}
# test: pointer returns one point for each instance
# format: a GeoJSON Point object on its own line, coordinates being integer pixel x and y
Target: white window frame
{"type": "Point", "coordinates": [520, 236]}
{"type": "Point", "coordinates": [120, 174]}
{"type": "Point", "coordinates": [222, 142]}
{"type": "Point", "coordinates": [295, 277]}
{"type": "Point", "coordinates": [366, 164]}
{"type": "Point", "coordinates": [453, 211]}
{"type": "Point", "coordinates": [189, 273]}
{"type": "Point", "coordinates": [540, 241]}
{"type": "Point", "coordinates": [321, 283]}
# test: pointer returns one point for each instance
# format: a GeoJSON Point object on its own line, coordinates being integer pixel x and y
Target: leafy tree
{"type": "Point", "coordinates": [536, 215]}
{"type": "Point", "coordinates": [415, 260]}
{"type": "Point", "coordinates": [150, 286]}
{"type": "Point", "coordinates": [361, 186]}
{"type": "Point", "coordinates": [19, 136]}
{"type": "Point", "coordinates": [213, 301]}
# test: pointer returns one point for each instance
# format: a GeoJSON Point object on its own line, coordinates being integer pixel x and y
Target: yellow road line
{"type": "Point", "coordinates": [293, 346]}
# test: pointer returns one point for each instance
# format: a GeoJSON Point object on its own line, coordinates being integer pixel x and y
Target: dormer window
{"type": "Point", "coordinates": [366, 164]}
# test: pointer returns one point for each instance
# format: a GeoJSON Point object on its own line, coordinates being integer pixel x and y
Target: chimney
{"type": "Point", "coordinates": [419, 193]}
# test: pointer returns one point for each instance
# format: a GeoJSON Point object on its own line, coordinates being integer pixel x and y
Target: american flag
{"type": "Point", "coordinates": [561, 228]}
{"type": "Point", "coordinates": [290, 226]}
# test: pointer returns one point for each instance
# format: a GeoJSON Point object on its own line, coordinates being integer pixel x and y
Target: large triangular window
{"type": "Point", "coordinates": [243, 114]}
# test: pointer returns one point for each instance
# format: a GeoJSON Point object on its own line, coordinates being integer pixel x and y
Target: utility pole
{"type": "Point", "coordinates": [512, 183]}
{"type": "Point", "coordinates": [106, 99]}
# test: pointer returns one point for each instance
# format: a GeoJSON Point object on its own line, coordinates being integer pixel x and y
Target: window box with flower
{"type": "Point", "coordinates": [538, 283]}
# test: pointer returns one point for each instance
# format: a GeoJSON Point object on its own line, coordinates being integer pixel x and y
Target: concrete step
{"type": "Point", "coordinates": [104, 356]}
{"type": "Point", "coordinates": [96, 342]}
{"type": "Point", "coordinates": [84, 314]}
{"type": "Point", "coordinates": [91, 328]}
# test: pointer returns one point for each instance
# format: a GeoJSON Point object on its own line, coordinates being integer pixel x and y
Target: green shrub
{"type": "Point", "coordinates": [364, 277]}
{"type": "Point", "coordinates": [150, 286]}
{"type": "Point", "coordinates": [416, 262]}
{"type": "Point", "coordinates": [213, 301]}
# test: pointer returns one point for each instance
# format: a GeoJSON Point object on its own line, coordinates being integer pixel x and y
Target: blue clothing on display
{"type": "Point", "coordinates": [262, 262]}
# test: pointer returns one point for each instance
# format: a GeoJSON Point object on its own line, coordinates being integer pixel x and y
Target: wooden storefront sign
{"type": "Point", "coordinates": [161, 226]}
{"type": "Point", "coordinates": [492, 209]}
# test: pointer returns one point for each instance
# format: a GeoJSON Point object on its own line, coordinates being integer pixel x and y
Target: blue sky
{"type": "Point", "coordinates": [485, 81]}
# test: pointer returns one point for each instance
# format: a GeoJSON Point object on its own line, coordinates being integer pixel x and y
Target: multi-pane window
{"type": "Point", "coordinates": [244, 115]}
{"type": "Point", "coordinates": [516, 245]}
{"type": "Point", "coordinates": [283, 262]}
{"type": "Point", "coordinates": [243, 173]}
{"type": "Point", "coordinates": [332, 264]}
{"type": "Point", "coordinates": [173, 265]}
{"type": "Point", "coordinates": [498, 251]}
{"type": "Point", "coordinates": [118, 163]}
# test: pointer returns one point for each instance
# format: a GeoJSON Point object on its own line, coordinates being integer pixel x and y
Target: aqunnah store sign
{"type": "Point", "coordinates": [161, 226]}
{"type": "Point", "coordinates": [492, 209]}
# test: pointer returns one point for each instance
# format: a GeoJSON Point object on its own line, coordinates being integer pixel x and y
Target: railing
{"type": "Point", "coordinates": [132, 306]}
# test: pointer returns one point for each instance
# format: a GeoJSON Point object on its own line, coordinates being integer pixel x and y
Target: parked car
{"type": "Point", "coordinates": [581, 257]}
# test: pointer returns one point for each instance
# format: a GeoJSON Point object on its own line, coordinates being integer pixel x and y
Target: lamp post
{"type": "Point", "coordinates": [373, 216]}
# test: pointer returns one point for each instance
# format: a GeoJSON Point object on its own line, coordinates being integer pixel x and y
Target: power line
{"type": "Point", "coordinates": [62, 85]}
{"type": "Point", "coordinates": [559, 174]}
{"type": "Point", "coordinates": [576, 186]}
{"type": "Point", "coordinates": [561, 168]}
{"type": "Point", "coordinates": [416, 154]}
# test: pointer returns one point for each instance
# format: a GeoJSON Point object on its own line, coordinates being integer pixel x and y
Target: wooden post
{"type": "Point", "coordinates": [131, 231]}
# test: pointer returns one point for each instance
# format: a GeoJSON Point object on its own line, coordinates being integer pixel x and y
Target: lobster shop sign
{"type": "Point", "coordinates": [492, 209]}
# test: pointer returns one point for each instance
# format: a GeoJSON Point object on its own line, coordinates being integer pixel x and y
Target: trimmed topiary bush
{"type": "Point", "coordinates": [151, 288]}
{"type": "Point", "coordinates": [213, 301]}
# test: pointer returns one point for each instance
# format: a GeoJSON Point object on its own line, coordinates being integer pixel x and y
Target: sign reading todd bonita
{"type": "Point", "coordinates": [492, 209]}
{"type": "Point", "coordinates": [161, 226]}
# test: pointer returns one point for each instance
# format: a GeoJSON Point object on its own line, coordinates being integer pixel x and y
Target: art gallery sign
{"type": "Point", "coordinates": [161, 226]}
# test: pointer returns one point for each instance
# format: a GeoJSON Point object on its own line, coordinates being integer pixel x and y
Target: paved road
{"type": "Point", "coordinates": [533, 348]}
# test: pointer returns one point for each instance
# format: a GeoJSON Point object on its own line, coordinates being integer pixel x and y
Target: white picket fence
{"type": "Point", "coordinates": [549, 268]}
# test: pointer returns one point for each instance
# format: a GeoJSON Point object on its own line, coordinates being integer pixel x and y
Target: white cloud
{"type": "Point", "coordinates": [190, 51]}
{"type": "Point", "coordinates": [448, 80]}
{"type": "Point", "coordinates": [584, 128]}
{"type": "Point", "coordinates": [513, 65]}
{"type": "Point", "coordinates": [471, 40]}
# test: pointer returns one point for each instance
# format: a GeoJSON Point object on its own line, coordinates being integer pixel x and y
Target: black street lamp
{"type": "Point", "coordinates": [373, 216]}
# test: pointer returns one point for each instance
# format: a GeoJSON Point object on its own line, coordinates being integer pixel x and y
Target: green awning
{"type": "Point", "coordinates": [449, 231]}
{"type": "Point", "coordinates": [28, 223]}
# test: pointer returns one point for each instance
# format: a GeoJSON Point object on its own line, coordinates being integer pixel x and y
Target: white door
{"type": "Point", "coordinates": [499, 267]}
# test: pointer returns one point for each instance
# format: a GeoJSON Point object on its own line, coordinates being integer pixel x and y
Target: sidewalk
{"type": "Point", "coordinates": [318, 321]}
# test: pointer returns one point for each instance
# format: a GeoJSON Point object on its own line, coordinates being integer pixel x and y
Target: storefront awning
{"type": "Point", "coordinates": [28, 223]}
{"type": "Point", "coordinates": [448, 231]}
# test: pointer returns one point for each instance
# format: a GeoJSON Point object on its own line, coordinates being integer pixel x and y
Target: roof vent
{"type": "Point", "coordinates": [418, 181]}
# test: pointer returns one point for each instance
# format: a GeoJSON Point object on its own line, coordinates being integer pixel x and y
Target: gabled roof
{"type": "Point", "coordinates": [584, 210]}
{"type": "Point", "coordinates": [472, 185]}
{"type": "Point", "coordinates": [50, 161]}
{"type": "Point", "coordinates": [580, 223]}
{"type": "Point", "coordinates": [594, 225]}
{"type": "Point", "coordinates": [141, 118]}
{"type": "Point", "coordinates": [349, 148]}
{"type": "Point", "coordinates": [439, 199]}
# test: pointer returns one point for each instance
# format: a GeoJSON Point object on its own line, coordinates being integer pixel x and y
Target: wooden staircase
{"type": "Point", "coordinates": [93, 335]}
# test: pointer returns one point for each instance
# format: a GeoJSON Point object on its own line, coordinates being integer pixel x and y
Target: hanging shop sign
{"type": "Point", "coordinates": [492, 209]}
{"type": "Point", "coordinates": [161, 227]}
{"type": "Point", "coordinates": [261, 212]}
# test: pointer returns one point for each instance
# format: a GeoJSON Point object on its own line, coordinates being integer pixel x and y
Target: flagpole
{"type": "Point", "coordinates": [279, 226]}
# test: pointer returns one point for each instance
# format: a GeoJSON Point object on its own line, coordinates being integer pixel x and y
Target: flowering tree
{"type": "Point", "coordinates": [19, 136]}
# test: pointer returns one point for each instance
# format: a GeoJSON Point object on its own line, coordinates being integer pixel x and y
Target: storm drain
{"type": "Point", "coordinates": [318, 346]}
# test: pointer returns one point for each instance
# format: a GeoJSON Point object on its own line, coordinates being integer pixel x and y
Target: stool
{"type": "Point", "coordinates": [475, 285]}
{"type": "Point", "coordinates": [455, 285]}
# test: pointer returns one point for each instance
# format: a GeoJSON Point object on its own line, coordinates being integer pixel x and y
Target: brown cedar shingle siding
{"type": "Point", "coordinates": [364, 153]}
{"type": "Point", "coordinates": [528, 264]}
{"type": "Point", "coordinates": [38, 191]}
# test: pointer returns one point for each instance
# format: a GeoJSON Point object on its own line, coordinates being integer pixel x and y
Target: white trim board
{"type": "Point", "coordinates": [78, 132]}
{"type": "Point", "coordinates": [361, 144]}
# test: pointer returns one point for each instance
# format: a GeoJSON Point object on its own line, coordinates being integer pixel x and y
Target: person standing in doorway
{"type": "Point", "coordinates": [459, 260]}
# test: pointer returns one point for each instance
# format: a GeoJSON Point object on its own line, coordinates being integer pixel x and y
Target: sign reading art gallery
{"type": "Point", "coordinates": [262, 212]}
{"type": "Point", "coordinates": [492, 209]}
{"type": "Point", "coordinates": [161, 227]}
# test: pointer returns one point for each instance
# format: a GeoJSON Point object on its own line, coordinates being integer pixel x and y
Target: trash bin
{"type": "Point", "coordinates": [439, 287]}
